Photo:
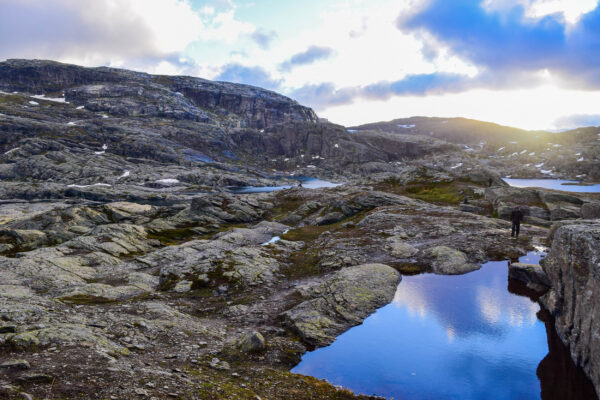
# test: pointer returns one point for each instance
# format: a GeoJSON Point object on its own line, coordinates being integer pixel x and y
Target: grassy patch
{"type": "Point", "coordinates": [442, 193]}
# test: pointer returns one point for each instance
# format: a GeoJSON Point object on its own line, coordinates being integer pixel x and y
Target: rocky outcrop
{"type": "Point", "coordinates": [531, 274]}
{"type": "Point", "coordinates": [591, 210]}
{"type": "Point", "coordinates": [573, 267]}
{"type": "Point", "coordinates": [341, 301]}
{"type": "Point", "coordinates": [536, 204]}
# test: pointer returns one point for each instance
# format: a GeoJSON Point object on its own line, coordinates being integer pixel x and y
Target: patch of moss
{"type": "Point", "coordinates": [306, 233]}
{"type": "Point", "coordinates": [303, 263]}
{"type": "Point", "coordinates": [285, 207]}
{"type": "Point", "coordinates": [172, 237]}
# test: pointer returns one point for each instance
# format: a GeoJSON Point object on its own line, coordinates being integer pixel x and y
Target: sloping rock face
{"type": "Point", "coordinates": [134, 93]}
{"type": "Point", "coordinates": [341, 301]}
{"type": "Point", "coordinates": [573, 267]}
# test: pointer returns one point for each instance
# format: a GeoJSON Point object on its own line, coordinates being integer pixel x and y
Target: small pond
{"type": "Point", "coordinates": [556, 184]}
{"type": "Point", "coordinates": [310, 183]}
{"type": "Point", "coordinates": [449, 337]}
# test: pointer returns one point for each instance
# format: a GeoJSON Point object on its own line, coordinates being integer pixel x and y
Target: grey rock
{"type": "Point", "coordinates": [8, 328]}
{"type": "Point", "coordinates": [449, 261]}
{"type": "Point", "coordinates": [15, 364]}
{"type": "Point", "coordinates": [252, 342]}
{"type": "Point", "coordinates": [572, 265]}
{"type": "Point", "coordinates": [35, 378]}
{"type": "Point", "coordinates": [531, 274]}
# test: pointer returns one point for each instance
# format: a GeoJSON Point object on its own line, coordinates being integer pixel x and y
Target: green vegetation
{"type": "Point", "coordinates": [442, 193]}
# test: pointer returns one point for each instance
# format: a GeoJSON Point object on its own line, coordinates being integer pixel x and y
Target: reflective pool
{"type": "Point", "coordinates": [556, 184]}
{"type": "Point", "coordinates": [443, 337]}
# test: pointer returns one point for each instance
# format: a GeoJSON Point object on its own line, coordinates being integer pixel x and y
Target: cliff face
{"type": "Point", "coordinates": [573, 266]}
{"type": "Point", "coordinates": [131, 93]}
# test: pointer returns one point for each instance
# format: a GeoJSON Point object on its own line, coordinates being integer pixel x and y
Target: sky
{"type": "Point", "coordinates": [533, 64]}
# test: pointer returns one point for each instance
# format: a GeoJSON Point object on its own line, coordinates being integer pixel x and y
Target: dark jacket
{"type": "Point", "coordinates": [516, 216]}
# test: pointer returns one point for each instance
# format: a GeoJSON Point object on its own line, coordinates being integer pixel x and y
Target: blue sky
{"type": "Point", "coordinates": [527, 63]}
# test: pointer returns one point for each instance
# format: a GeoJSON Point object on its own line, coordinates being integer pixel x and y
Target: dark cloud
{"type": "Point", "coordinates": [507, 42]}
{"type": "Point", "coordinates": [309, 56]}
{"type": "Point", "coordinates": [577, 120]}
{"type": "Point", "coordinates": [263, 38]}
{"type": "Point", "coordinates": [324, 95]}
{"type": "Point", "coordinates": [255, 76]}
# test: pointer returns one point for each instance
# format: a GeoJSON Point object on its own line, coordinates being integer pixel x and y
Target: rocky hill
{"type": "Point", "coordinates": [512, 152]}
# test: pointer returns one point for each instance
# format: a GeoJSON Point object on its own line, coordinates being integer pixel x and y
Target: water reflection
{"type": "Point", "coordinates": [443, 337]}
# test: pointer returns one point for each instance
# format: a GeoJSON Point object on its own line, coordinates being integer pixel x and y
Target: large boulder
{"type": "Point", "coordinates": [573, 267]}
{"type": "Point", "coordinates": [449, 261]}
{"type": "Point", "coordinates": [343, 300]}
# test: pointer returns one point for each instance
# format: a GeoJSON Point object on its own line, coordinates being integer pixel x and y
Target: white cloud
{"type": "Point", "coordinates": [572, 10]}
{"type": "Point", "coordinates": [146, 35]}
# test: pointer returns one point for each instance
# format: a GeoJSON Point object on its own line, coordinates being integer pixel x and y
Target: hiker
{"type": "Point", "coordinates": [516, 216]}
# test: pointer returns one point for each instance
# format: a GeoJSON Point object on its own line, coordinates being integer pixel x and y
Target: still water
{"type": "Point", "coordinates": [556, 184]}
{"type": "Point", "coordinates": [309, 183]}
{"type": "Point", "coordinates": [443, 337]}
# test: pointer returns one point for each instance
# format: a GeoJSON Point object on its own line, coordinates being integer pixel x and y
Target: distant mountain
{"type": "Point", "coordinates": [517, 152]}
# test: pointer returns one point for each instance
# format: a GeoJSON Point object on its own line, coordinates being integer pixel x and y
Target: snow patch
{"type": "Point", "coordinates": [337, 146]}
{"type": "Point", "coordinates": [556, 145]}
{"type": "Point", "coordinates": [540, 165]}
{"type": "Point", "coordinates": [274, 239]}
{"type": "Point", "coordinates": [501, 148]}
{"type": "Point", "coordinates": [11, 150]}
{"type": "Point", "coordinates": [104, 147]}
{"type": "Point", "coordinates": [457, 165]}
{"type": "Point", "coordinates": [351, 130]}
{"type": "Point", "coordinates": [523, 152]}
{"type": "Point", "coordinates": [168, 181]}
{"type": "Point", "coordinates": [580, 159]}
{"type": "Point", "coordinates": [406, 126]}
{"type": "Point", "coordinates": [80, 108]}
{"type": "Point", "coordinates": [34, 103]}
{"type": "Point", "coordinates": [532, 154]}
{"type": "Point", "coordinates": [54, 99]}
{"type": "Point", "coordinates": [71, 123]}
{"type": "Point", "coordinates": [125, 174]}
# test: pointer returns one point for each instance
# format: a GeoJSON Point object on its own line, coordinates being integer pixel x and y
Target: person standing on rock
{"type": "Point", "coordinates": [516, 216]}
